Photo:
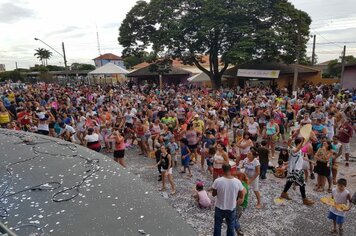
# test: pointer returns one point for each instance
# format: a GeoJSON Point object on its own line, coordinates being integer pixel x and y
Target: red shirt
{"type": "Point", "coordinates": [24, 117]}
{"type": "Point", "coordinates": [345, 133]}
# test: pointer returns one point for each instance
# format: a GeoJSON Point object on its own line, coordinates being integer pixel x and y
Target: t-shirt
{"type": "Point", "coordinates": [198, 125]}
{"type": "Point", "coordinates": [250, 167]}
{"type": "Point", "coordinates": [204, 199]}
{"type": "Point", "coordinates": [129, 117]}
{"type": "Point", "coordinates": [253, 128]}
{"type": "Point", "coordinates": [91, 138]}
{"type": "Point", "coordinates": [340, 198]}
{"type": "Point", "coordinates": [192, 138]}
{"type": "Point", "coordinates": [263, 155]}
{"type": "Point", "coordinates": [295, 161]}
{"type": "Point", "coordinates": [345, 133]}
{"type": "Point", "coordinates": [227, 192]}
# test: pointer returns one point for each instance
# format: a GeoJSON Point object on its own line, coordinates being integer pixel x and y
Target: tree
{"type": "Point", "coordinates": [43, 55]}
{"type": "Point", "coordinates": [14, 75]}
{"type": "Point", "coordinates": [228, 31]}
{"type": "Point", "coordinates": [335, 66]}
{"type": "Point", "coordinates": [82, 66]}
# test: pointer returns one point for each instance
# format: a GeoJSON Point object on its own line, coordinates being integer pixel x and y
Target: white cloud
{"type": "Point", "coordinates": [74, 23]}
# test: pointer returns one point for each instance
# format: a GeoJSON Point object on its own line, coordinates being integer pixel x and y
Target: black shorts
{"type": "Point", "coordinates": [43, 132]}
{"type": "Point", "coordinates": [129, 125]}
{"type": "Point", "coordinates": [119, 153]}
{"type": "Point", "coordinates": [193, 147]}
{"type": "Point", "coordinates": [281, 129]}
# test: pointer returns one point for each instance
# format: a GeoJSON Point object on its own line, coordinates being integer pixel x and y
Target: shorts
{"type": "Point", "coordinates": [339, 219]}
{"type": "Point", "coordinates": [185, 161]}
{"type": "Point", "coordinates": [43, 132]}
{"type": "Point", "coordinates": [255, 185]}
{"type": "Point", "coordinates": [281, 129]}
{"type": "Point", "coordinates": [129, 125]}
{"type": "Point", "coordinates": [193, 147]}
{"type": "Point", "coordinates": [253, 137]}
{"type": "Point", "coordinates": [306, 165]}
{"type": "Point", "coordinates": [346, 148]}
{"type": "Point", "coordinates": [119, 153]}
{"type": "Point", "coordinates": [169, 171]}
{"type": "Point", "coordinates": [218, 171]}
{"type": "Point", "coordinates": [270, 139]}
{"type": "Point", "coordinates": [209, 162]}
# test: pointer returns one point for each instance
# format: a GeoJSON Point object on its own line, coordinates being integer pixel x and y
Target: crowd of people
{"type": "Point", "coordinates": [232, 134]}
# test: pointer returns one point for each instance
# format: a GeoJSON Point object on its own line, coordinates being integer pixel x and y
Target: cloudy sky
{"type": "Point", "coordinates": [75, 22]}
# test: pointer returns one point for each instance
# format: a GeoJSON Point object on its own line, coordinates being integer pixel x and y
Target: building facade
{"type": "Point", "coordinates": [349, 81]}
{"type": "Point", "coordinates": [108, 58]}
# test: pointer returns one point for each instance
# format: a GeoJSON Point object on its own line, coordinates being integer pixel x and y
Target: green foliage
{"type": "Point", "coordinates": [229, 31]}
{"type": "Point", "coordinates": [14, 76]}
{"type": "Point", "coordinates": [350, 59]}
{"type": "Point", "coordinates": [43, 55]}
{"type": "Point", "coordinates": [39, 68]}
{"type": "Point", "coordinates": [55, 68]}
{"type": "Point", "coordinates": [335, 66]}
{"type": "Point", "coordinates": [81, 66]}
{"type": "Point", "coordinates": [131, 61]}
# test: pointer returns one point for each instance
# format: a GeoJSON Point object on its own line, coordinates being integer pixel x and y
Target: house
{"type": "Point", "coordinates": [349, 81]}
{"type": "Point", "coordinates": [324, 67]}
{"type": "Point", "coordinates": [108, 58]}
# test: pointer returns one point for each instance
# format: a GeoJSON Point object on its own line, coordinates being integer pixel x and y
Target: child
{"type": "Point", "coordinates": [281, 170]}
{"type": "Point", "coordinates": [173, 147]}
{"type": "Point", "coordinates": [185, 154]}
{"type": "Point", "coordinates": [341, 196]}
{"type": "Point", "coordinates": [263, 154]}
{"type": "Point", "coordinates": [210, 159]}
{"type": "Point", "coordinates": [201, 196]}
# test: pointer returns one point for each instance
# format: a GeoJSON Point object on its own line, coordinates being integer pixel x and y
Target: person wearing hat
{"type": "Point", "coordinates": [198, 124]}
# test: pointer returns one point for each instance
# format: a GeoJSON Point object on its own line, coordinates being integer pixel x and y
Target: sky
{"type": "Point", "coordinates": [76, 23]}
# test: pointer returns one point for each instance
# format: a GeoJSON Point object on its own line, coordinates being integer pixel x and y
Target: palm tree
{"type": "Point", "coordinates": [39, 54]}
{"type": "Point", "coordinates": [47, 55]}
{"type": "Point", "coordinates": [43, 55]}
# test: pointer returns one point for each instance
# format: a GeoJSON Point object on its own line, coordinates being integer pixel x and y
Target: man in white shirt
{"type": "Point", "coordinates": [229, 192]}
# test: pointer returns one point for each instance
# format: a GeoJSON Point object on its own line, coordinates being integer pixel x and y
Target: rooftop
{"type": "Point", "coordinates": [108, 56]}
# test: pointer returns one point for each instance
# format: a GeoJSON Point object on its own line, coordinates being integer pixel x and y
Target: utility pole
{"type": "Point", "coordinates": [65, 62]}
{"type": "Point", "coordinates": [16, 65]}
{"type": "Point", "coordinates": [343, 67]}
{"type": "Point", "coordinates": [313, 55]}
{"type": "Point", "coordinates": [295, 80]}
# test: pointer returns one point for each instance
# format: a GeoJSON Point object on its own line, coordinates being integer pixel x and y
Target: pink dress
{"type": "Point", "coordinates": [204, 200]}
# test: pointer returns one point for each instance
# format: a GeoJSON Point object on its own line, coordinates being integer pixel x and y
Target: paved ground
{"type": "Point", "coordinates": [290, 219]}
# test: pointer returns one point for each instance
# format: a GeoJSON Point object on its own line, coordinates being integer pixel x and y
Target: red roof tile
{"type": "Point", "coordinates": [108, 56]}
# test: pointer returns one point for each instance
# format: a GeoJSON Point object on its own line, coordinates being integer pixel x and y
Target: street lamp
{"type": "Point", "coordinates": [62, 55]}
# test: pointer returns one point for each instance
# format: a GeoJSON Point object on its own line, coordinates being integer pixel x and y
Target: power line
{"type": "Point", "coordinates": [327, 39]}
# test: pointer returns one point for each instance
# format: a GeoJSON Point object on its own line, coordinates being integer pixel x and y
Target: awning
{"type": "Point", "coordinates": [109, 68]}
